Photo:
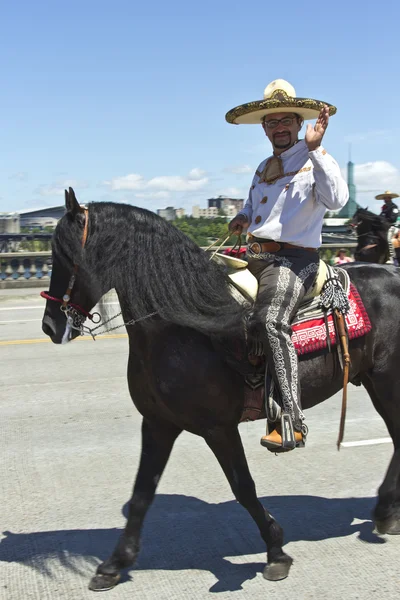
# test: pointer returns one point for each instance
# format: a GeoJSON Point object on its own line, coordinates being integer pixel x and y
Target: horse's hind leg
{"type": "Point", "coordinates": [227, 447]}
{"type": "Point", "coordinates": [157, 441]}
{"type": "Point", "coordinates": [385, 397]}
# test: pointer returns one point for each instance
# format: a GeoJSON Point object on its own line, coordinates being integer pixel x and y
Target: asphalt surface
{"type": "Point", "coordinates": [70, 446]}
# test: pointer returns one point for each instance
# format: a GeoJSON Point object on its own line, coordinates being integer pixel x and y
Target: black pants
{"type": "Point", "coordinates": [284, 279]}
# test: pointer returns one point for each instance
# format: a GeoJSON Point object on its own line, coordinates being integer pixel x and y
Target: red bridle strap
{"type": "Point", "coordinates": [65, 300]}
{"type": "Point", "coordinates": [47, 296]}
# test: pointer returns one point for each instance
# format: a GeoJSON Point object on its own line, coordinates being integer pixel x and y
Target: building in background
{"type": "Point", "coordinates": [9, 222]}
{"type": "Point", "coordinates": [208, 213]}
{"type": "Point", "coordinates": [170, 213]}
{"type": "Point", "coordinates": [39, 218]}
{"type": "Point", "coordinates": [220, 206]}
{"type": "Point", "coordinates": [230, 206]}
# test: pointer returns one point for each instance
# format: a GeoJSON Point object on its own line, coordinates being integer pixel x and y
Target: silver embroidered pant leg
{"type": "Point", "coordinates": [284, 279]}
{"type": "Point", "coordinates": [391, 233]}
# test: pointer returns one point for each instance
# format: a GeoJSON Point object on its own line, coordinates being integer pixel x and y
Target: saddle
{"type": "Point", "coordinates": [326, 304]}
{"type": "Point", "coordinates": [244, 282]}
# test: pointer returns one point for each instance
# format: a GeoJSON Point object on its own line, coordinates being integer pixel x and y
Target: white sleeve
{"type": "Point", "coordinates": [330, 187]}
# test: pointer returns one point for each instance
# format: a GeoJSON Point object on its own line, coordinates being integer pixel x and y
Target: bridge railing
{"type": "Point", "coordinates": [28, 269]}
{"type": "Point", "coordinates": [24, 269]}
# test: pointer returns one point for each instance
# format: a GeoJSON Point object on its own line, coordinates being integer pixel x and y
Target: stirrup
{"type": "Point", "coordinates": [290, 439]}
{"type": "Point", "coordinates": [287, 433]}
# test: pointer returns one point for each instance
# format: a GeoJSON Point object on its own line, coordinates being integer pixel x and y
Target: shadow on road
{"type": "Point", "coordinates": [183, 532]}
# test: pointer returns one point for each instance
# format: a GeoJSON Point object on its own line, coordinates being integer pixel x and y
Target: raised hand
{"type": "Point", "coordinates": [314, 135]}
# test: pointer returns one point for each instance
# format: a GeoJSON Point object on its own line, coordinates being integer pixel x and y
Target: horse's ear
{"type": "Point", "coordinates": [71, 203]}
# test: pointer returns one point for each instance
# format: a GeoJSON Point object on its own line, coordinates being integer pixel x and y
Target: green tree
{"type": "Point", "coordinates": [202, 230]}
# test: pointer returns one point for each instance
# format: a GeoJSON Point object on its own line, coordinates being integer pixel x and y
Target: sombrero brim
{"type": "Point", "coordinates": [253, 113]}
{"type": "Point", "coordinates": [389, 195]}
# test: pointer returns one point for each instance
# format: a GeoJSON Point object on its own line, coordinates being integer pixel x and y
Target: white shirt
{"type": "Point", "coordinates": [292, 208]}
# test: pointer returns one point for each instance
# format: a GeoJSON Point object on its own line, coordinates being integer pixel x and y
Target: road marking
{"type": "Point", "coordinates": [41, 306]}
{"type": "Point", "coordinates": [22, 307]}
{"type": "Point", "coordinates": [21, 320]}
{"type": "Point", "coordinates": [386, 440]}
{"type": "Point", "coordinates": [110, 336]}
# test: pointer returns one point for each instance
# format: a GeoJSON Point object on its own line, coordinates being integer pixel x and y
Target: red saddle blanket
{"type": "Point", "coordinates": [310, 335]}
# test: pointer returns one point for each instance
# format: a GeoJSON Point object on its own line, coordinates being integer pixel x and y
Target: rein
{"type": "Point", "coordinates": [214, 244]}
{"type": "Point", "coordinates": [74, 313]}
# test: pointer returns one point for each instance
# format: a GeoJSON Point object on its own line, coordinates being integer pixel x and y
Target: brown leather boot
{"type": "Point", "coordinates": [273, 441]}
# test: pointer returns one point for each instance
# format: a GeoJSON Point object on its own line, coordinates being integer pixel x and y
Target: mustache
{"type": "Point", "coordinates": [280, 135]}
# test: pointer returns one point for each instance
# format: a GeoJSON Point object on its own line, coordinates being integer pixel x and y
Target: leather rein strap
{"type": "Point", "coordinates": [346, 367]}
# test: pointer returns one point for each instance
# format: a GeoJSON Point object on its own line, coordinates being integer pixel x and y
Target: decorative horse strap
{"type": "Point", "coordinates": [334, 297]}
{"type": "Point", "coordinates": [67, 296]}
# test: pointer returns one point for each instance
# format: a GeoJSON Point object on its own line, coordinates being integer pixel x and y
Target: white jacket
{"type": "Point", "coordinates": [293, 207]}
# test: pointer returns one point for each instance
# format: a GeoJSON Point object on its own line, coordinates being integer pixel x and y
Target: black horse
{"type": "Point", "coordinates": [178, 376]}
{"type": "Point", "coordinates": [372, 237]}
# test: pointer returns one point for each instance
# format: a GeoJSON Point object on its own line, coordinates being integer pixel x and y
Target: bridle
{"type": "Point", "coordinates": [74, 313]}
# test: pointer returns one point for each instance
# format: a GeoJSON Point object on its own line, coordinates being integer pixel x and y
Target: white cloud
{"type": "Point", "coordinates": [177, 183]}
{"type": "Point", "coordinates": [167, 183]}
{"type": "Point", "coordinates": [128, 182]}
{"type": "Point", "coordinates": [57, 188]}
{"type": "Point", "coordinates": [161, 194]}
{"type": "Point", "coordinates": [196, 174]}
{"type": "Point", "coordinates": [373, 178]}
{"type": "Point", "coordinates": [232, 192]}
{"type": "Point", "coordinates": [376, 177]}
{"type": "Point", "coordinates": [240, 170]}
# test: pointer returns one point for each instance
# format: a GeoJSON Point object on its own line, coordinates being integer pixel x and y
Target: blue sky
{"type": "Point", "coordinates": [128, 104]}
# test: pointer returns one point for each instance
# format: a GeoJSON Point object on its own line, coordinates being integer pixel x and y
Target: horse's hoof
{"type": "Point", "coordinates": [102, 583]}
{"type": "Point", "coordinates": [389, 527]}
{"type": "Point", "coordinates": [275, 571]}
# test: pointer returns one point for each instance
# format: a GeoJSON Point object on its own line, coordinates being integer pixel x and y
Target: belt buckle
{"type": "Point", "coordinates": [256, 248]}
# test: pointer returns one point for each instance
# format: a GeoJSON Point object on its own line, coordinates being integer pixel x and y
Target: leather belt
{"type": "Point", "coordinates": [272, 247]}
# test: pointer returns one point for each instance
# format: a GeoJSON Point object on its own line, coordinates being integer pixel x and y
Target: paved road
{"type": "Point", "coordinates": [69, 447]}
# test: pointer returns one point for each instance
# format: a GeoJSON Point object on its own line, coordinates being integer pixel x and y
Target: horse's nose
{"type": "Point", "coordinates": [48, 326]}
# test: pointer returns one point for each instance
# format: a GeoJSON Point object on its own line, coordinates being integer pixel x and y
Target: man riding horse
{"type": "Point", "coordinates": [389, 212]}
{"type": "Point", "coordinates": [288, 198]}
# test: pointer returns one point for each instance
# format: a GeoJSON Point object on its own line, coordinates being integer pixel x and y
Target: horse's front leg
{"type": "Point", "coordinates": [157, 441]}
{"type": "Point", "coordinates": [227, 447]}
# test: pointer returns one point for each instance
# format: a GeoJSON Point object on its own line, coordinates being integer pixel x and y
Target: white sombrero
{"type": "Point", "coordinates": [279, 96]}
{"type": "Point", "coordinates": [387, 194]}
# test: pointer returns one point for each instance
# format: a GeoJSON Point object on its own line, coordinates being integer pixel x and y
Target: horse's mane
{"type": "Point", "coordinates": [376, 220]}
{"type": "Point", "coordinates": [154, 266]}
